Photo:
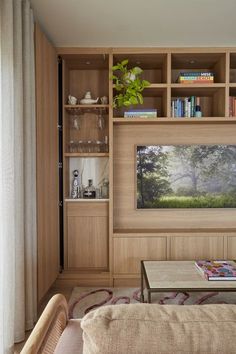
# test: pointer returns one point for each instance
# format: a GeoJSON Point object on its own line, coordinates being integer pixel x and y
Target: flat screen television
{"type": "Point", "coordinates": [186, 176]}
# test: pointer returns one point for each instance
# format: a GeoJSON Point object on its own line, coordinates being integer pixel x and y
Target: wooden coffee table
{"type": "Point", "coordinates": [177, 276]}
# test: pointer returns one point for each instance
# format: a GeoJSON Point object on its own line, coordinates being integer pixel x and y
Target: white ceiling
{"type": "Point", "coordinates": [140, 23]}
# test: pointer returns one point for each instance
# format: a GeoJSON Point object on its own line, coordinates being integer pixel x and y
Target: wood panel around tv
{"type": "Point", "coordinates": [126, 138]}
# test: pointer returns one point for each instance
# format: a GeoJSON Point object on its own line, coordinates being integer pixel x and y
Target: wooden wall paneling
{"type": "Point", "coordinates": [190, 247]}
{"type": "Point", "coordinates": [129, 251]}
{"type": "Point", "coordinates": [47, 162]}
{"type": "Point", "coordinates": [231, 247]}
{"type": "Point", "coordinates": [126, 137]}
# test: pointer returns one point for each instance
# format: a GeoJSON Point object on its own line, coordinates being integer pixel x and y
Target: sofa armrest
{"type": "Point", "coordinates": [49, 327]}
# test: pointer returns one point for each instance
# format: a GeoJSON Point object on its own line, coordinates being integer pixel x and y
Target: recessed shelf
{"type": "Point", "coordinates": [86, 154]}
{"type": "Point", "coordinates": [201, 120]}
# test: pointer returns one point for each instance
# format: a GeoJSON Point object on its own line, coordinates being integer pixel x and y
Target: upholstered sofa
{"type": "Point", "coordinates": [136, 328]}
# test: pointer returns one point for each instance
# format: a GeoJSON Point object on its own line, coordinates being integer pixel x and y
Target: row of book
{"type": "Point", "coordinates": [217, 270]}
{"type": "Point", "coordinates": [195, 77]}
{"type": "Point", "coordinates": [232, 106]}
{"type": "Point", "coordinates": [186, 107]}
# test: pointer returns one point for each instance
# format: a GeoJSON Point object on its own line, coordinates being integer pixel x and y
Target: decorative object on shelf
{"type": "Point", "coordinates": [88, 99]}
{"type": "Point", "coordinates": [104, 100]}
{"type": "Point", "coordinates": [72, 100]}
{"type": "Point", "coordinates": [89, 191]}
{"type": "Point", "coordinates": [198, 112]}
{"type": "Point", "coordinates": [128, 84]}
{"type": "Point", "coordinates": [75, 185]}
{"type": "Point", "coordinates": [105, 189]}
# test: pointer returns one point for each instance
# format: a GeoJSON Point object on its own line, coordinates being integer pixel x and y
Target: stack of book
{"type": "Point", "coordinates": [232, 106]}
{"type": "Point", "coordinates": [196, 78]}
{"type": "Point", "coordinates": [217, 270]}
{"type": "Point", "coordinates": [184, 107]}
{"type": "Point", "coordinates": [141, 113]}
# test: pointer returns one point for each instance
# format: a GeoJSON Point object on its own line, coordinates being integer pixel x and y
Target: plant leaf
{"type": "Point", "coordinates": [136, 70]}
{"type": "Point", "coordinates": [124, 62]}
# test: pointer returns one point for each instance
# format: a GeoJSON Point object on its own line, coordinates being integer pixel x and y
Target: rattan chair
{"type": "Point", "coordinates": [49, 328]}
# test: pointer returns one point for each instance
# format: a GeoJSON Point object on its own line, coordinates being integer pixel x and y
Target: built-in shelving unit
{"type": "Point", "coordinates": [106, 238]}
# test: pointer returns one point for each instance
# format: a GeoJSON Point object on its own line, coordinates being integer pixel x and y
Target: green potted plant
{"type": "Point", "coordinates": [128, 84]}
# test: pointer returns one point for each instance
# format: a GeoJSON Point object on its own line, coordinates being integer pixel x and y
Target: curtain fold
{"type": "Point", "coordinates": [18, 255]}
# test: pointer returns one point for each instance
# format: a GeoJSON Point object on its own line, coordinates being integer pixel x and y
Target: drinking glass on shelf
{"type": "Point", "coordinates": [75, 120]}
{"type": "Point", "coordinates": [80, 146]}
{"type": "Point", "coordinates": [72, 146]}
{"type": "Point", "coordinates": [89, 146]}
{"type": "Point", "coordinates": [100, 122]}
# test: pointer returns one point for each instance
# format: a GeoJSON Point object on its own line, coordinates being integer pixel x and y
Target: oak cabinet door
{"type": "Point", "coordinates": [87, 236]}
{"type": "Point", "coordinates": [47, 162]}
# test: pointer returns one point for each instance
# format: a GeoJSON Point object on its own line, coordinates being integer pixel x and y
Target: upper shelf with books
{"type": "Point", "coordinates": [214, 63]}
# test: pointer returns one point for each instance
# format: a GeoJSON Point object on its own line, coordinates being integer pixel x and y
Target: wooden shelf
{"type": "Point", "coordinates": [86, 154]}
{"type": "Point", "coordinates": [198, 86]}
{"type": "Point", "coordinates": [147, 231]}
{"type": "Point", "coordinates": [83, 200]}
{"type": "Point", "coordinates": [201, 120]}
{"type": "Point", "coordinates": [85, 106]}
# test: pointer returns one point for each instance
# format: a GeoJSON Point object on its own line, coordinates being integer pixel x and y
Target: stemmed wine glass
{"type": "Point", "coordinates": [100, 122]}
{"type": "Point", "coordinates": [75, 120]}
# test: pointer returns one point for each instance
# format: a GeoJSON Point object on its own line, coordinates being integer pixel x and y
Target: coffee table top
{"type": "Point", "coordinates": [180, 275]}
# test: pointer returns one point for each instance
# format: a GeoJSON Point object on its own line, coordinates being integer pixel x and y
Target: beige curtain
{"type": "Point", "coordinates": [17, 173]}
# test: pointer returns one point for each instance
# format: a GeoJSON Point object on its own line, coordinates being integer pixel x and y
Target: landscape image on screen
{"type": "Point", "coordinates": [186, 176]}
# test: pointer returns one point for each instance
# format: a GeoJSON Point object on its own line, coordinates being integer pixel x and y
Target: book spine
{"type": "Point", "coordinates": [196, 73]}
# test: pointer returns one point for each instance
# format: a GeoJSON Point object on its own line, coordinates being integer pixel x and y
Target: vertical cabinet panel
{"type": "Point", "coordinates": [47, 162]}
{"type": "Point", "coordinates": [87, 235]}
{"type": "Point", "coordinates": [129, 251]}
{"type": "Point", "coordinates": [196, 247]}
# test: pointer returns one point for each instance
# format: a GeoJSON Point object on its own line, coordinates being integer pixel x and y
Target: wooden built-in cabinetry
{"type": "Point", "coordinates": [104, 241]}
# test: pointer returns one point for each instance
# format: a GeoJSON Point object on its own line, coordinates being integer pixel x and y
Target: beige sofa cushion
{"type": "Point", "coordinates": [149, 329]}
{"type": "Point", "coordinates": [71, 341]}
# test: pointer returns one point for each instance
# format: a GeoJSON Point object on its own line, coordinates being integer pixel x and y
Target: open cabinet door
{"type": "Point", "coordinates": [47, 162]}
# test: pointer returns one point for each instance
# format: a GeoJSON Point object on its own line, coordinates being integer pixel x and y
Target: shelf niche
{"type": "Point", "coordinates": [154, 66]}
{"type": "Point", "coordinates": [153, 97]}
{"type": "Point", "coordinates": [194, 62]}
{"type": "Point", "coordinates": [212, 100]}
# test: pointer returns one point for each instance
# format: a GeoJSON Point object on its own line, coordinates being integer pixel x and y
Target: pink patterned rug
{"type": "Point", "coordinates": [83, 299]}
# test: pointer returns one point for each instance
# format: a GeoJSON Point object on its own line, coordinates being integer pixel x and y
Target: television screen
{"type": "Point", "coordinates": [186, 176]}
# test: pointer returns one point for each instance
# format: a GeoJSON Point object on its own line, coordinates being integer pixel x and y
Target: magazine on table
{"type": "Point", "coordinates": [217, 269]}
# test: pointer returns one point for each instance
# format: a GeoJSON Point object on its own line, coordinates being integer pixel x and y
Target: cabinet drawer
{"type": "Point", "coordinates": [87, 209]}
{"type": "Point", "coordinates": [196, 247]}
{"type": "Point", "coordinates": [128, 252]}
